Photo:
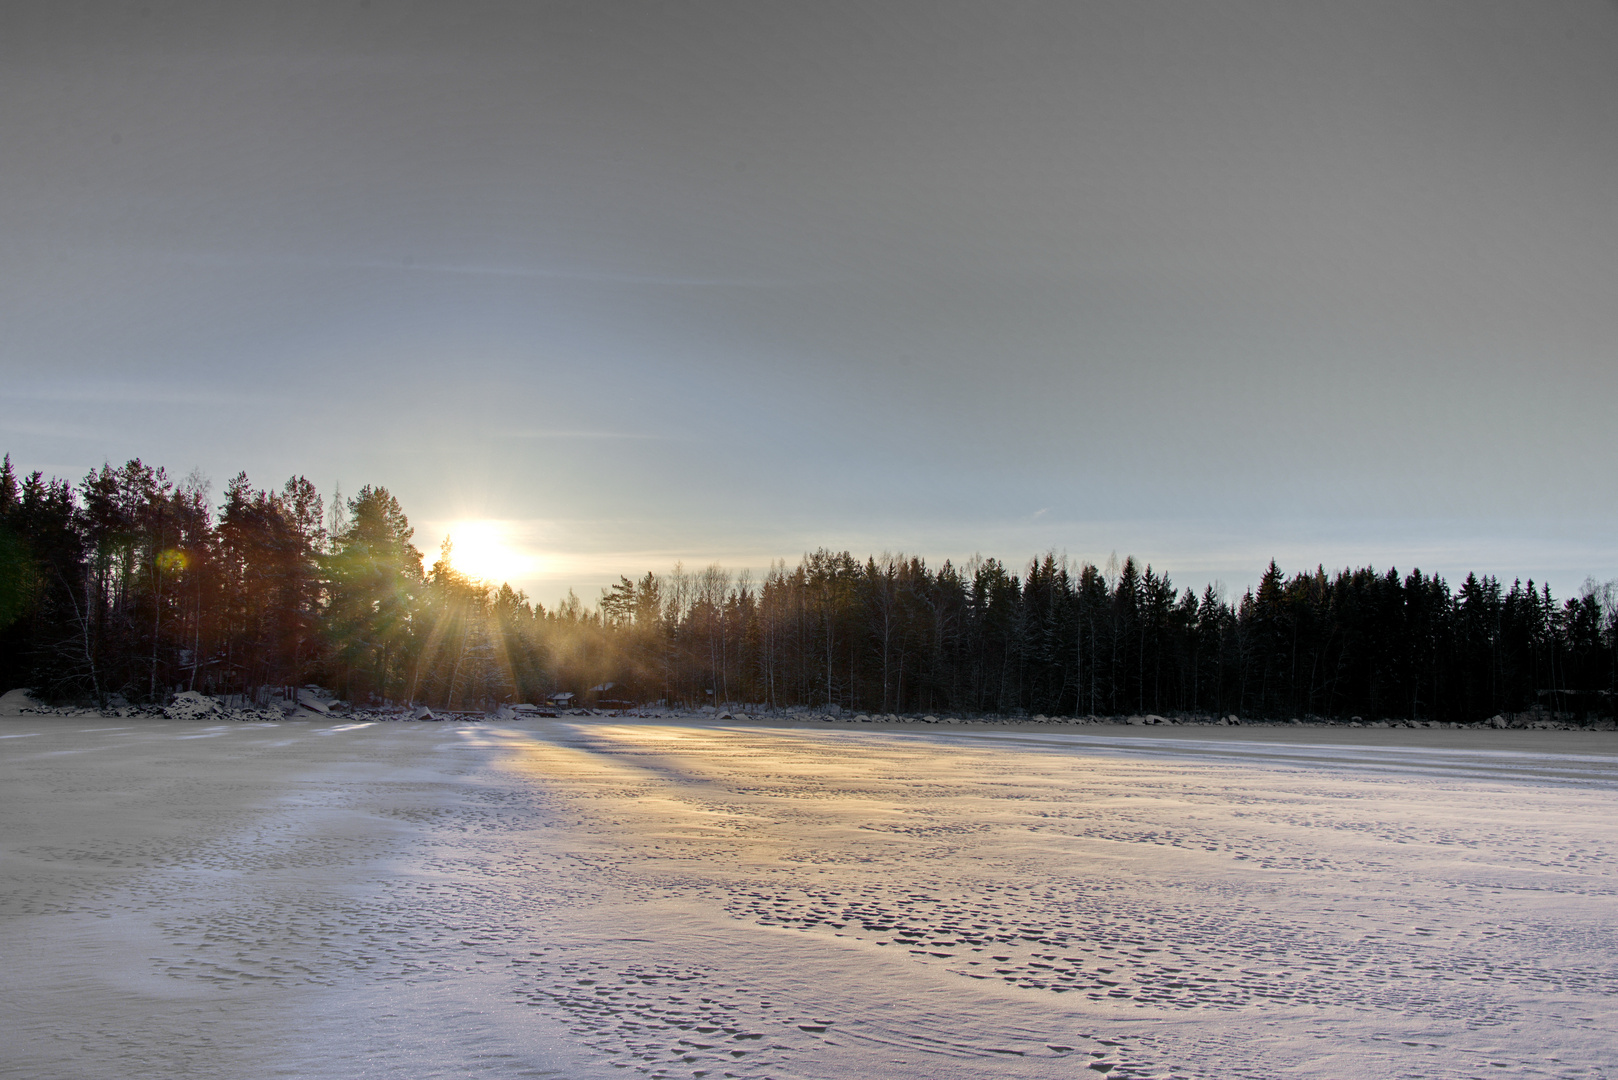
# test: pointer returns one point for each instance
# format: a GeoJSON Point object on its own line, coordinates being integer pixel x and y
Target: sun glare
{"type": "Point", "coordinates": [484, 549]}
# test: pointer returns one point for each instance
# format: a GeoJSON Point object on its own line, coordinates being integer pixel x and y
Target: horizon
{"type": "Point", "coordinates": [487, 551]}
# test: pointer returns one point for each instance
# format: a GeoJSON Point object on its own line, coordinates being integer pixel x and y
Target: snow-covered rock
{"type": "Point", "coordinates": [423, 713]}
{"type": "Point", "coordinates": [20, 701]}
{"type": "Point", "coordinates": [313, 700]}
{"type": "Point", "coordinates": [191, 705]}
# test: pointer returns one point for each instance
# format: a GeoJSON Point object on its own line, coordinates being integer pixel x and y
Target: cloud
{"type": "Point", "coordinates": [121, 393]}
{"type": "Point", "coordinates": [582, 435]}
{"type": "Point", "coordinates": [409, 265]}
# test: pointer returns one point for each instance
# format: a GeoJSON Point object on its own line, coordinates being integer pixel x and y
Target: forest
{"type": "Point", "coordinates": [132, 586]}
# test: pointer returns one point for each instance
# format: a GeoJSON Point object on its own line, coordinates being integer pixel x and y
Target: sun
{"type": "Point", "coordinates": [484, 549]}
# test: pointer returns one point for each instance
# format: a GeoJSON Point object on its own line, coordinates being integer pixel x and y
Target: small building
{"type": "Point", "coordinates": [563, 700]}
{"type": "Point", "coordinates": [602, 697]}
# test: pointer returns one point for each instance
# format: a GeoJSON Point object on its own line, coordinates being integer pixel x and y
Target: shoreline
{"type": "Point", "coordinates": [194, 706]}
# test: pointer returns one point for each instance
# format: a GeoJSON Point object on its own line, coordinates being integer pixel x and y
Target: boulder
{"type": "Point", "coordinates": [314, 700]}
{"type": "Point", "coordinates": [20, 701]}
{"type": "Point", "coordinates": [422, 712]}
{"type": "Point", "coordinates": [191, 705]}
{"type": "Point", "coordinates": [1496, 721]}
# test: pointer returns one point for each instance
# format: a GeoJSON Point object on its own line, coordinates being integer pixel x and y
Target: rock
{"type": "Point", "coordinates": [20, 701]}
{"type": "Point", "coordinates": [191, 705]}
{"type": "Point", "coordinates": [929, 719]}
{"type": "Point", "coordinates": [310, 699]}
{"type": "Point", "coordinates": [1135, 721]}
{"type": "Point", "coordinates": [1496, 721]}
{"type": "Point", "coordinates": [422, 712]}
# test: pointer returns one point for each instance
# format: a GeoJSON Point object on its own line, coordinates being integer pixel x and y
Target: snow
{"type": "Point", "coordinates": [18, 702]}
{"type": "Point", "coordinates": [592, 898]}
{"type": "Point", "coordinates": [190, 705]}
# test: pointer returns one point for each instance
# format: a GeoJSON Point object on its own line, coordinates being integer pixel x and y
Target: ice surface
{"type": "Point", "coordinates": [583, 899]}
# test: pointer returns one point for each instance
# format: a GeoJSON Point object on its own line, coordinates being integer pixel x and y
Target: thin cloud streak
{"type": "Point", "coordinates": [408, 265]}
{"type": "Point", "coordinates": [155, 392]}
{"type": "Point", "coordinates": [627, 435]}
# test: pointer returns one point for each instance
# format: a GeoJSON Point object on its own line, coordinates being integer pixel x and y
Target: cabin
{"type": "Point", "coordinates": [602, 697]}
{"type": "Point", "coordinates": [563, 700]}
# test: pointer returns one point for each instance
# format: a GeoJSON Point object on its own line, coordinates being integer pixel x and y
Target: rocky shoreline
{"type": "Point", "coordinates": [313, 703]}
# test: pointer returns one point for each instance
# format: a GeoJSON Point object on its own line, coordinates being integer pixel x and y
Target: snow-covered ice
{"type": "Point", "coordinates": [589, 898]}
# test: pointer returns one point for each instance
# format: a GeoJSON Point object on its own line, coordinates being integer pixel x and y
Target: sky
{"type": "Point", "coordinates": [630, 284]}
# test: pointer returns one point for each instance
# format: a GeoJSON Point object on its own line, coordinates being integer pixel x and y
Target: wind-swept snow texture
{"type": "Point", "coordinates": [593, 900]}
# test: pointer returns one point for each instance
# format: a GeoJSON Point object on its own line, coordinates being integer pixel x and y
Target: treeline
{"type": "Point", "coordinates": [134, 585]}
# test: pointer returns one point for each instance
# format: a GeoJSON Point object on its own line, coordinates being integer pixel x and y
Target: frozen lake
{"type": "Point", "coordinates": [590, 900]}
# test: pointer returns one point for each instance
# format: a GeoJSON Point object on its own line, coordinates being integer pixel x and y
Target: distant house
{"type": "Point", "coordinates": [563, 700]}
{"type": "Point", "coordinates": [603, 697]}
